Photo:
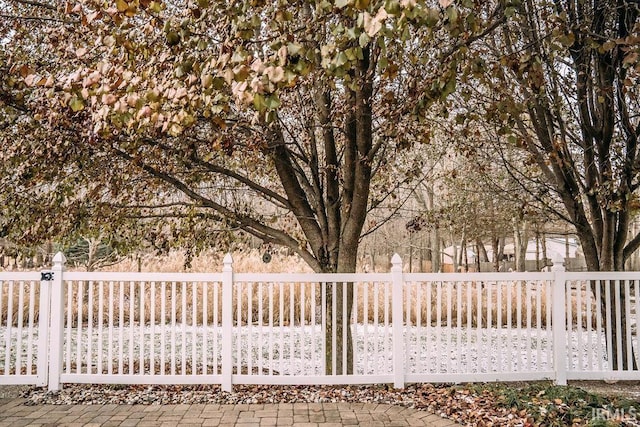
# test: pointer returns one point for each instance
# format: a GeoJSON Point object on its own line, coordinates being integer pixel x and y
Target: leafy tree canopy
{"type": "Point", "coordinates": [288, 120]}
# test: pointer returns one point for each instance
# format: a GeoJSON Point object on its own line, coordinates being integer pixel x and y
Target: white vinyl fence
{"type": "Point", "coordinates": [244, 328]}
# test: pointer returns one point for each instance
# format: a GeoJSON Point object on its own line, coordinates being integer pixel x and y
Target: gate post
{"type": "Point", "coordinates": [559, 320]}
{"type": "Point", "coordinates": [44, 316]}
{"type": "Point", "coordinates": [227, 323]}
{"type": "Point", "coordinates": [57, 323]}
{"type": "Point", "coordinates": [396, 316]}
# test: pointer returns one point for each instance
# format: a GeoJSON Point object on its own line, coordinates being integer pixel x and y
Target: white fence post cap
{"type": "Point", "coordinates": [59, 258]}
{"type": "Point", "coordinates": [228, 259]}
{"type": "Point", "coordinates": [558, 261]}
{"type": "Point", "coordinates": [395, 259]}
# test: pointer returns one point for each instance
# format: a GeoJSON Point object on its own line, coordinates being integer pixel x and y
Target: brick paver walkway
{"type": "Point", "coordinates": [14, 413]}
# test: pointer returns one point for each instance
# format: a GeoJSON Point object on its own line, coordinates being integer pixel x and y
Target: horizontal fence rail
{"type": "Point", "coordinates": [281, 328]}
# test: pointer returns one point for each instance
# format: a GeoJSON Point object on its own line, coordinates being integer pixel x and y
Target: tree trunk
{"type": "Point", "coordinates": [436, 249]}
{"type": "Point", "coordinates": [454, 258]}
{"type": "Point", "coordinates": [339, 309]}
{"type": "Point", "coordinates": [521, 242]}
{"type": "Point", "coordinates": [609, 305]}
{"type": "Point", "coordinates": [496, 258]}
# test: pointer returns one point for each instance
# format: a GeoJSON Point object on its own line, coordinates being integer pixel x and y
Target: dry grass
{"type": "Point", "coordinates": [243, 261]}
{"type": "Point", "coordinates": [292, 303]}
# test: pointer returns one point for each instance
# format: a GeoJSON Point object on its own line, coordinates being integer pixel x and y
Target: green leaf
{"type": "Point", "coordinates": [325, 5]}
{"type": "Point", "coordinates": [351, 54]}
{"type": "Point", "coordinates": [452, 13]}
{"type": "Point", "coordinates": [259, 102]}
{"type": "Point", "coordinates": [341, 59]}
{"type": "Point", "coordinates": [432, 18]}
{"type": "Point", "coordinates": [294, 48]}
{"type": "Point", "coordinates": [76, 104]}
{"type": "Point", "coordinates": [392, 6]}
{"type": "Point", "coordinates": [449, 88]}
{"type": "Point", "coordinates": [383, 62]}
{"type": "Point", "coordinates": [364, 39]}
{"type": "Point", "coordinates": [272, 102]}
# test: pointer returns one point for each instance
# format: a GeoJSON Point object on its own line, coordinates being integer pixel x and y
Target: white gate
{"type": "Point", "coordinates": [24, 316]}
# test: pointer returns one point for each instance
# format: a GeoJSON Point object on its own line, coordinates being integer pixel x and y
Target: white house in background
{"type": "Point", "coordinates": [558, 245]}
{"type": "Point", "coordinates": [554, 245]}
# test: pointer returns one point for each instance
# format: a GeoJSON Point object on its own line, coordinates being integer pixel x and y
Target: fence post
{"type": "Point", "coordinates": [397, 284]}
{"type": "Point", "coordinates": [56, 323]}
{"type": "Point", "coordinates": [227, 323]}
{"type": "Point", "coordinates": [44, 314]}
{"type": "Point", "coordinates": [559, 320]}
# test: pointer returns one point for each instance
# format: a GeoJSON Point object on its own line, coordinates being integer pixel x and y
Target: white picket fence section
{"type": "Point", "coordinates": [248, 328]}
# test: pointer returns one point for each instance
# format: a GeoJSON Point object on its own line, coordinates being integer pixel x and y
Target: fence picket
{"type": "Point", "coordinates": [183, 330]}
{"type": "Point", "coordinates": [250, 326]}
{"type": "Point", "coordinates": [172, 358]}
{"type": "Point", "coordinates": [429, 326]}
{"type": "Point", "coordinates": [32, 297]}
{"type": "Point", "coordinates": [627, 326]}
{"type": "Point", "coordinates": [460, 348]}
{"type": "Point", "coordinates": [141, 325]}
{"type": "Point", "coordinates": [637, 297]}
{"type": "Point", "coordinates": [527, 285]}
{"type": "Point", "coordinates": [291, 327]}
{"type": "Point", "coordinates": [478, 324]}
{"type": "Point", "coordinates": [618, 324]}
{"type": "Point", "coordinates": [9, 330]}
{"type": "Point", "coordinates": [589, 319]}
{"type": "Point", "coordinates": [449, 328]}
{"type": "Point", "coordinates": [439, 346]}
{"type": "Point", "coordinates": [499, 324]}
{"type": "Point", "coordinates": [152, 330]}
{"type": "Point", "coordinates": [270, 328]}
{"type": "Point", "coordinates": [489, 322]}
{"type": "Point", "coordinates": [110, 346]}
{"type": "Point", "coordinates": [538, 297]}
{"type": "Point", "coordinates": [599, 322]}
{"type": "Point", "coordinates": [260, 329]}
{"type": "Point", "coordinates": [559, 322]}
{"type": "Point", "coordinates": [90, 328]}
{"type": "Point", "coordinates": [217, 322]}
{"type": "Point", "coordinates": [101, 326]}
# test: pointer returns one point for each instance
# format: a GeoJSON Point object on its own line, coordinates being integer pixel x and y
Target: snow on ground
{"type": "Point", "coordinates": [295, 351]}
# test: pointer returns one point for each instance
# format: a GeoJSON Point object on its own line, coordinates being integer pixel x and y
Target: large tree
{"type": "Point", "coordinates": [279, 118]}
{"type": "Point", "coordinates": [561, 82]}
